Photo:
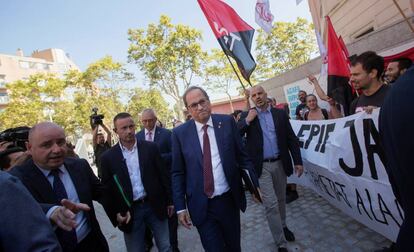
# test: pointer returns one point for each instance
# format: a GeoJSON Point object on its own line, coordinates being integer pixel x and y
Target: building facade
{"type": "Point", "coordinates": [20, 67]}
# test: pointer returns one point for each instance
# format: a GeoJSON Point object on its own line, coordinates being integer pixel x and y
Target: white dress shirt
{"type": "Point", "coordinates": [132, 162]}
{"type": "Point", "coordinates": [152, 134]}
{"type": "Point", "coordinates": [220, 182]}
{"type": "Point", "coordinates": [83, 228]}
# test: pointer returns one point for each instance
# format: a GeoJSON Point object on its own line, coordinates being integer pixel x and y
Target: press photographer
{"type": "Point", "coordinates": [100, 145]}
{"type": "Point", "coordinates": [12, 146]}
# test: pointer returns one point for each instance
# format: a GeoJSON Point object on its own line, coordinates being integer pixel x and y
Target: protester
{"type": "Point", "coordinates": [396, 68]}
{"type": "Point", "coordinates": [398, 141]}
{"type": "Point", "coordinates": [135, 168]}
{"type": "Point", "coordinates": [336, 109]}
{"type": "Point", "coordinates": [100, 145]}
{"type": "Point", "coordinates": [206, 178]}
{"type": "Point", "coordinates": [23, 225]}
{"type": "Point", "coordinates": [283, 106]}
{"type": "Point", "coordinates": [317, 113]}
{"type": "Point", "coordinates": [162, 137]}
{"type": "Point", "coordinates": [366, 71]}
{"type": "Point", "coordinates": [301, 108]}
{"type": "Point", "coordinates": [272, 144]}
{"type": "Point", "coordinates": [64, 187]}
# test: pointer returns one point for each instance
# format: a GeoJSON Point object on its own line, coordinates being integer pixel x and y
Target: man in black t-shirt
{"type": "Point", "coordinates": [366, 72]}
{"type": "Point", "coordinates": [100, 145]}
{"type": "Point", "coordinates": [301, 108]}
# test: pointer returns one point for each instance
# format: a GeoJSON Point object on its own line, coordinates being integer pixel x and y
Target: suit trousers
{"type": "Point", "coordinates": [144, 216]}
{"type": "Point", "coordinates": [220, 232]}
{"type": "Point", "coordinates": [273, 187]}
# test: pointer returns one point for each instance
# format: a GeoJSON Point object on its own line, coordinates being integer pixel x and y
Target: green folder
{"type": "Point", "coordinates": [121, 190]}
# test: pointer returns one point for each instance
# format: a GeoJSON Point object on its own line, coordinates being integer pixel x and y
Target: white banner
{"type": "Point", "coordinates": [263, 16]}
{"type": "Point", "coordinates": [344, 163]}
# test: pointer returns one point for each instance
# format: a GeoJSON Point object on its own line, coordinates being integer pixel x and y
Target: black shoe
{"type": "Point", "coordinates": [282, 249]}
{"type": "Point", "coordinates": [175, 249]}
{"type": "Point", "coordinates": [288, 234]}
{"type": "Point", "coordinates": [291, 196]}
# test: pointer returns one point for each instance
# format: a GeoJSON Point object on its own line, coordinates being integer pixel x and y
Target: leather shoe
{"type": "Point", "coordinates": [282, 249]}
{"type": "Point", "coordinates": [288, 234]}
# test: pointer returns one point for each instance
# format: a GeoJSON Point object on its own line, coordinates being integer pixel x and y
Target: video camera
{"type": "Point", "coordinates": [18, 136]}
{"type": "Point", "coordinates": [96, 119]}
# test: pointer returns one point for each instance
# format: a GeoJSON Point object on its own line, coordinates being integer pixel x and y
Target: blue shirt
{"type": "Point", "coordinates": [270, 147]}
{"type": "Point", "coordinates": [83, 228]}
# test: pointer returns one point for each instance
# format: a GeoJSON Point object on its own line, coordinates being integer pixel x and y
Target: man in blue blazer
{"type": "Point", "coordinates": [162, 137]}
{"type": "Point", "coordinates": [207, 159]}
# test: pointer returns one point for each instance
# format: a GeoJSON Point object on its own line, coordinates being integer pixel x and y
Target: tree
{"type": "Point", "coordinates": [220, 77]}
{"type": "Point", "coordinates": [141, 99]}
{"type": "Point", "coordinates": [168, 55]}
{"type": "Point", "coordinates": [67, 101]}
{"type": "Point", "coordinates": [290, 45]}
{"type": "Point", "coordinates": [101, 85]}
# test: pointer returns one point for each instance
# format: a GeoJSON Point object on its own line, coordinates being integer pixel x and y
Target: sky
{"type": "Point", "coordinates": [90, 29]}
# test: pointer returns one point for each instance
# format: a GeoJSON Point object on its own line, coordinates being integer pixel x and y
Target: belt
{"type": "Point", "coordinates": [271, 160]}
{"type": "Point", "coordinates": [141, 200]}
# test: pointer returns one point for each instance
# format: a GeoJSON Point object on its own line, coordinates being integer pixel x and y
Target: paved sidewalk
{"type": "Point", "coordinates": [317, 225]}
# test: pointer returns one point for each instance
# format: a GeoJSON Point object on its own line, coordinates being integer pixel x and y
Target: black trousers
{"type": "Point", "coordinates": [91, 243]}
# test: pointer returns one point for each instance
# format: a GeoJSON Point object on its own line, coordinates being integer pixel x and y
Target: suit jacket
{"type": "Point", "coordinates": [23, 226]}
{"type": "Point", "coordinates": [187, 165]}
{"type": "Point", "coordinates": [287, 141]}
{"type": "Point", "coordinates": [86, 183]}
{"type": "Point", "coordinates": [163, 139]}
{"type": "Point", "coordinates": [154, 177]}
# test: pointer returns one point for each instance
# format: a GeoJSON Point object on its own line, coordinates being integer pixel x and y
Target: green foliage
{"type": "Point", "coordinates": [68, 100]}
{"type": "Point", "coordinates": [288, 46]}
{"type": "Point", "coordinates": [168, 55]}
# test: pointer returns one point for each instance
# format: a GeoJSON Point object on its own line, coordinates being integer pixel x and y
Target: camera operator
{"type": "Point", "coordinates": [100, 145]}
{"type": "Point", "coordinates": [12, 146]}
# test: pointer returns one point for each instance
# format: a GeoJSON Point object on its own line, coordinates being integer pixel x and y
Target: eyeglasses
{"type": "Point", "coordinates": [202, 103]}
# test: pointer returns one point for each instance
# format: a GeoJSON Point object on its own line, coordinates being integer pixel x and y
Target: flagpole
{"type": "Point", "coordinates": [238, 77]}
{"type": "Point", "coordinates": [404, 16]}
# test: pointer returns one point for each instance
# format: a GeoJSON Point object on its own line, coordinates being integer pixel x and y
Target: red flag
{"type": "Point", "coordinates": [338, 70]}
{"type": "Point", "coordinates": [233, 34]}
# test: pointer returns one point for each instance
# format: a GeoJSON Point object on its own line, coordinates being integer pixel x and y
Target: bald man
{"type": "Point", "coordinates": [64, 187]}
{"type": "Point", "coordinates": [272, 145]}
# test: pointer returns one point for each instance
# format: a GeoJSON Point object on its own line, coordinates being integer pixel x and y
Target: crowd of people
{"type": "Point", "coordinates": [154, 179]}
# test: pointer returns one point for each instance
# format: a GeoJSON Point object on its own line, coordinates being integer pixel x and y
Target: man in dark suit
{"type": "Point", "coordinates": [271, 143]}
{"type": "Point", "coordinates": [162, 137]}
{"type": "Point", "coordinates": [23, 225]}
{"type": "Point", "coordinates": [144, 181]}
{"type": "Point", "coordinates": [64, 187]}
{"type": "Point", "coordinates": [208, 158]}
{"type": "Point", "coordinates": [396, 126]}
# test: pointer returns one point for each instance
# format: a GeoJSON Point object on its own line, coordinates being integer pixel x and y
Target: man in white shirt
{"type": "Point", "coordinates": [142, 180]}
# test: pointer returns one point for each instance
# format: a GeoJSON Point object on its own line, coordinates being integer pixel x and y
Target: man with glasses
{"type": "Point", "coordinates": [207, 159]}
{"type": "Point", "coordinates": [162, 137]}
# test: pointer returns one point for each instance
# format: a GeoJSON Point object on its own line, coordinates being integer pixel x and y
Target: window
{"type": "Point", "coordinates": [2, 80]}
{"type": "Point", "coordinates": [24, 64]}
{"type": "Point", "coordinates": [4, 98]}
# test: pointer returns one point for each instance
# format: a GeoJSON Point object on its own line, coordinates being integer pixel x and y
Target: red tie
{"type": "Point", "coordinates": [207, 166]}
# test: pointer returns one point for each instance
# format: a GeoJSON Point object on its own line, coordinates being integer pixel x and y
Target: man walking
{"type": "Point", "coordinates": [208, 158]}
{"type": "Point", "coordinates": [271, 143]}
{"type": "Point", "coordinates": [140, 176]}
{"type": "Point", "coordinates": [162, 137]}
